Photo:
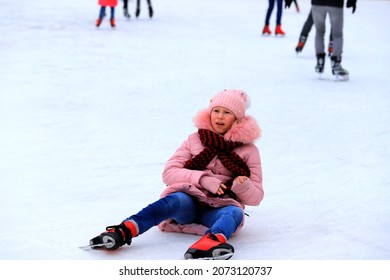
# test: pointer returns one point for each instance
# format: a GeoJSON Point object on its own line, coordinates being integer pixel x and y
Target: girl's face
{"type": "Point", "coordinates": [222, 119]}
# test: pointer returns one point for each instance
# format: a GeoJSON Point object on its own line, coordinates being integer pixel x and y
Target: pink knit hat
{"type": "Point", "coordinates": [234, 100]}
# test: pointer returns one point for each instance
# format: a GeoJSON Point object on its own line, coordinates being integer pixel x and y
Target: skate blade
{"type": "Point", "coordinates": [97, 246]}
{"type": "Point", "coordinates": [223, 257]}
{"type": "Point", "coordinates": [341, 78]}
{"type": "Point", "coordinates": [218, 254]}
{"type": "Point", "coordinates": [109, 244]}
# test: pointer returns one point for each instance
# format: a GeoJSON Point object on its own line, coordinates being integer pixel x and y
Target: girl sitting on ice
{"type": "Point", "coordinates": [210, 178]}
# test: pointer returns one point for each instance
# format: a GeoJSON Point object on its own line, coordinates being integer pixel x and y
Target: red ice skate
{"type": "Point", "coordinates": [98, 22]}
{"type": "Point", "coordinates": [210, 247]}
{"type": "Point", "coordinates": [279, 31]}
{"type": "Point", "coordinates": [112, 22]}
{"type": "Point", "coordinates": [266, 30]}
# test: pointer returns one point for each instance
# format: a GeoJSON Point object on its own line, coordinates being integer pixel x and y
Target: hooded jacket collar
{"type": "Point", "coordinates": [246, 130]}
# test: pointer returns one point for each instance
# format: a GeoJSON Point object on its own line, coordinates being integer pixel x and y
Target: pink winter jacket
{"type": "Point", "coordinates": [202, 184]}
{"type": "Point", "coordinates": [109, 3]}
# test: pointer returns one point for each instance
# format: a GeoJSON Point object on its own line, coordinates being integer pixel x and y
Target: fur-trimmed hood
{"type": "Point", "coordinates": [245, 130]}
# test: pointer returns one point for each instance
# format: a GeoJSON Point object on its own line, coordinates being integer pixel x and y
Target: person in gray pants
{"type": "Point", "coordinates": [335, 9]}
{"type": "Point", "coordinates": [305, 34]}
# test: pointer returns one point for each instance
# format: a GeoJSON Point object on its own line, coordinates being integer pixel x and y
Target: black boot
{"type": "Point", "coordinates": [339, 72]}
{"type": "Point", "coordinates": [125, 10]}
{"type": "Point", "coordinates": [114, 237]}
{"type": "Point", "coordinates": [126, 13]}
{"type": "Point", "coordinates": [320, 63]}
{"type": "Point", "coordinates": [150, 8]}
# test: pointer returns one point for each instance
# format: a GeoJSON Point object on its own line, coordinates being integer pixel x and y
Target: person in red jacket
{"type": "Point", "coordinates": [209, 179]}
{"type": "Point", "coordinates": [103, 4]}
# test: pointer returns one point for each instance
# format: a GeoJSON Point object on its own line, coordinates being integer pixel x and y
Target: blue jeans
{"type": "Point", "coordinates": [103, 12]}
{"type": "Point", "coordinates": [279, 10]}
{"type": "Point", "coordinates": [185, 209]}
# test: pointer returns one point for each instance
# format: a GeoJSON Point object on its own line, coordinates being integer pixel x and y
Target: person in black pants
{"type": "Point", "coordinates": [137, 9]}
{"type": "Point", "coordinates": [125, 11]}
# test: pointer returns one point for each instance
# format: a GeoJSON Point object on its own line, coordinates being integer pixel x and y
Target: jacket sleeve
{"type": "Point", "coordinates": [174, 171]}
{"type": "Point", "coordinates": [251, 191]}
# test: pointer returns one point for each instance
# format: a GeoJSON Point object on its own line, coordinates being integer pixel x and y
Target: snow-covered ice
{"type": "Point", "coordinates": [89, 116]}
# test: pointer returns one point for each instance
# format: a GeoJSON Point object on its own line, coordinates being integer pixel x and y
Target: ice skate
{"type": "Point", "coordinates": [112, 22]}
{"type": "Point", "coordinates": [320, 63]}
{"type": "Point", "coordinates": [114, 237]}
{"type": "Point", "coordinates": [266, 31]}
{"type": "Point", "coordinates": [126, 13]}
{"type": "Point", "coordinates": [338, 71]}
{"type": "Point", "coordinates": [279, 31]}
{"type": "Point", "coordinates": [210, 247]}
{"type": "Point", "coordinates": [301, 44]}
{"type": "Point", "coordinates": [98, 22]}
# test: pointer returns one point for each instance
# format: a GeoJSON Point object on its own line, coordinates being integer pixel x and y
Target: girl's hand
{"type": "Point", "coordinates": [241, 179]}
{"type": "Point", "coordinates": [221, 189]}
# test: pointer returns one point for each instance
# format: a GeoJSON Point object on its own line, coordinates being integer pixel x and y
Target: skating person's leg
{"type": "Point", "coordinates": [307, 25]}
{"type": "Point", "coordinates": [125, 9]}
{"type": "Point", "coordinates": [271, 4]}
{"type": "Point", "coordinates": [112, 17]}
{"type": "Point", "coordinates": [319, 17]}
{"type": "Point", "coordinates": [304, 33]}
{"type": "Point", "coordinates": [102, 12]}
{"type": "Point", "coordinates": [266, 30]}
{"type": "Point", "coordinates": [150, 8]}
{"type": "Point", "coordinates": [138, 8]}
{"type": "Point", "coordinates": [336, 16]}
{"type": "Point", "coordinates": [279, 11]}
